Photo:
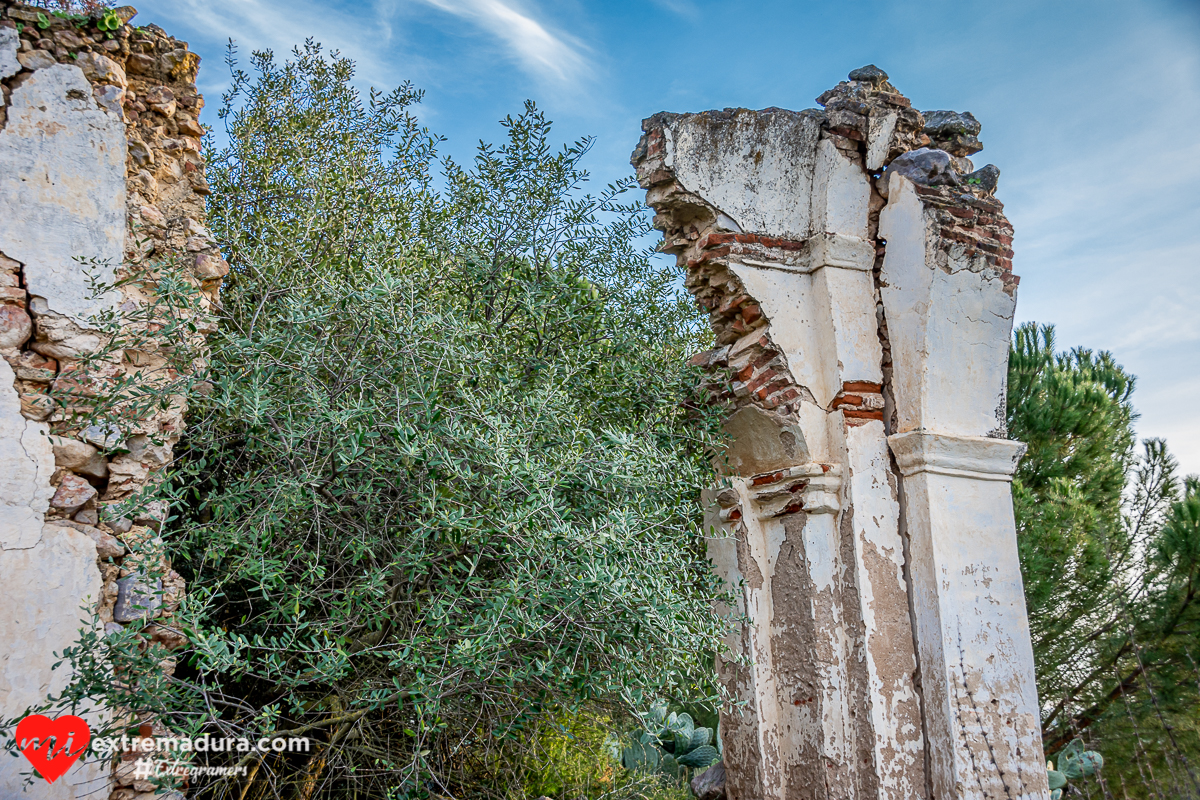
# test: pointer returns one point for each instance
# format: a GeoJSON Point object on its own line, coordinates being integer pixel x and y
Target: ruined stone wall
{"type": "Point", "coordinates": [857, 273]}
{"type": "Point", "coordinates": [100, 161]}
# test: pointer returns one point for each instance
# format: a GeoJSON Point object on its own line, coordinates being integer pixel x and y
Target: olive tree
{"type": "Point", "coordinates": [443, 479]}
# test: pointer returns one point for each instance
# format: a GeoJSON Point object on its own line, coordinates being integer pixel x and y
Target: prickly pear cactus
{"type": "Point", "coordinates": [700, 758]}
{"type": "Point", "coordinates": [677, 746]}
{"type": "Point", "coordinates": [1073, 762]}
{"type": "Point", "coordinates": [640, 757]}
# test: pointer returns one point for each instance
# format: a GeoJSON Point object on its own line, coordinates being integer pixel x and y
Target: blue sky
{"type": "Point", "coordinates": [1090, 109]}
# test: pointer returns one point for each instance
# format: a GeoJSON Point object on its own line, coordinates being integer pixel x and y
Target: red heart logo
{"type": "Point", "coordinates": [53, 745]}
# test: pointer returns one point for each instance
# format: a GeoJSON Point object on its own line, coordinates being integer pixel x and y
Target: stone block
{"type": "Point", "coordinates": [211, 266]}
{"type": "Point", "coordinates": [15, 326]}
{"type": "Point", "coordinates": [137, 599]}
{"type": "Point", "coordinates": [36, 59]}
{"type": "Point", "coordinates": [73, 492]}
{"type": "Point", "coordinates": [107, 545]}
{"type": "Point", "coordinates": [79, 457]}
{"type": "Point", "coordinates": [710, 784]}
{"type": "Point", "coordinates": [103, 437]}
{"type": "Point", "coordinates": [101, 68]}
{"type": "Point", "coordinates": [111, 99]}
{"type": "Point", "coordinates": [10, 43]}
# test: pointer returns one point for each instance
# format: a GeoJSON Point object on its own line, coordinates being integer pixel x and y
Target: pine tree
{"type": "Point", "coordinates": [1110, 550]}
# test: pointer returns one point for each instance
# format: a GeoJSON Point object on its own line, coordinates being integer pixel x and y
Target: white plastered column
{"type": "Point", "coordinates": [796, 733]}
{"type": "Point", "coordinates": [800, 649]}
{"type": "Point", "coordinates": [981, 710]}
{"type": "Point", "coordinates": [949, 323]}
{"type": "Point", "coordinates": [832, 636]}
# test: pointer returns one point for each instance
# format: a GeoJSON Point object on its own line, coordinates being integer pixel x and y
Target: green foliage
{"type": "Point", "coordinates": [1110, 552]}
{"type": "Point", "coordinates": [671, 744]}
{"type": "Point", "coordinates": [1073, 411]}
{"type": "Point", "coordinates": [701, 757]}
{"type": "Point", "coordinates": [1074, 762]}
{"type": "Point", "coordinates": [441, 486]}
{"type": "Point", "coordinates": [79, 13]}
{"type": "Point", "coordinates": [571, 755]}
{"type": "Point", "coordinates": [109, 21]}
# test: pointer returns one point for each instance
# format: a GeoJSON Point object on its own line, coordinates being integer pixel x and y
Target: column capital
{"type": "Point", "coordinates": [979, 457]}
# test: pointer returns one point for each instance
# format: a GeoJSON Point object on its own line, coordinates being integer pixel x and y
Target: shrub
{"type": "Point", "coordinates": [444, 484]}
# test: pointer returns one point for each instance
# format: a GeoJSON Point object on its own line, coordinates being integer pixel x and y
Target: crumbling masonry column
{"type": "Point", "coordinates": [101, 174]}
{"type": "Point", "coordinates": [857, 273]}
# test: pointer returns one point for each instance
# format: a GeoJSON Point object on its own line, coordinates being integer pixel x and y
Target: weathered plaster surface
{"type": "Point", "coordinates": [972, 630]}
{"type": "Point", "coordinates": [62, 193]}
{"type": "Point", "coordinates": [949, 324]}
{"type": "Point", "coordinates": [49, 573]}
{"type": "Point", "coordinates": [28, 463]}
{"type": "Point", "coordinates": [62, 188]}
{"type": "Point", "coordinates": [840, 193]}
{"type": "Point", "coordinates": [756, 167]}
{"type": "Point", "coordinates": [878, 548]}
{"type": "Point", "coordinates": [52, 586]}
{"type": "Point", "coordinates": [880, 130]}
{"type": "Point", "coordinates": [799, 325]}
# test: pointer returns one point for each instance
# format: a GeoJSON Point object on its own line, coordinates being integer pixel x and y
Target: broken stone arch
{"type": "Point", "coordinates": [857, 273]}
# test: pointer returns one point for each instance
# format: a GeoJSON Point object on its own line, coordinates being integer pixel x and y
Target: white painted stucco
{"type": "Point", "coordinates": [756, 167]}
{"type": "Point", "coordinates": [62, 188]}
{"type": "Point", "coordinates": [49, 572]}
{"type": "Point", "coordinates": [62, 197]}
{"type": "Point", "coordinates": [893, 702]}
{"type": "Point", "coordinates": [840, 194]}
{"type": "Point", "coordinates": [26, 464]}
{"type": "Point", "coordinates": [949, 323]}
{"type": "Point", "coordinates": [824, 323]}
{"type": "Point", "coordinates": [981, 710]}
{"type": "Point", "coordinates": [949, 326]}
{"type": "Point", "coordinates": [880, 128]}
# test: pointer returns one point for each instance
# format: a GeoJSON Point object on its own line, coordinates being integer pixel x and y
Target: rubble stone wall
{"type": "Point", "coordinates": [100, 173]}
{"type": "Point", "coordinates": [857, 273]}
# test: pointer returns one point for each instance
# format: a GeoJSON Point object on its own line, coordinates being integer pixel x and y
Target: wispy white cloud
{"type": "Point", "coordinates": [547, 54]}
{"type": "Point", "coordinates": [1100, 185]}
{"type": "Point", "coordinates": [280, 25]}
{"type": "Point", "coordinates": [684, 8]}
